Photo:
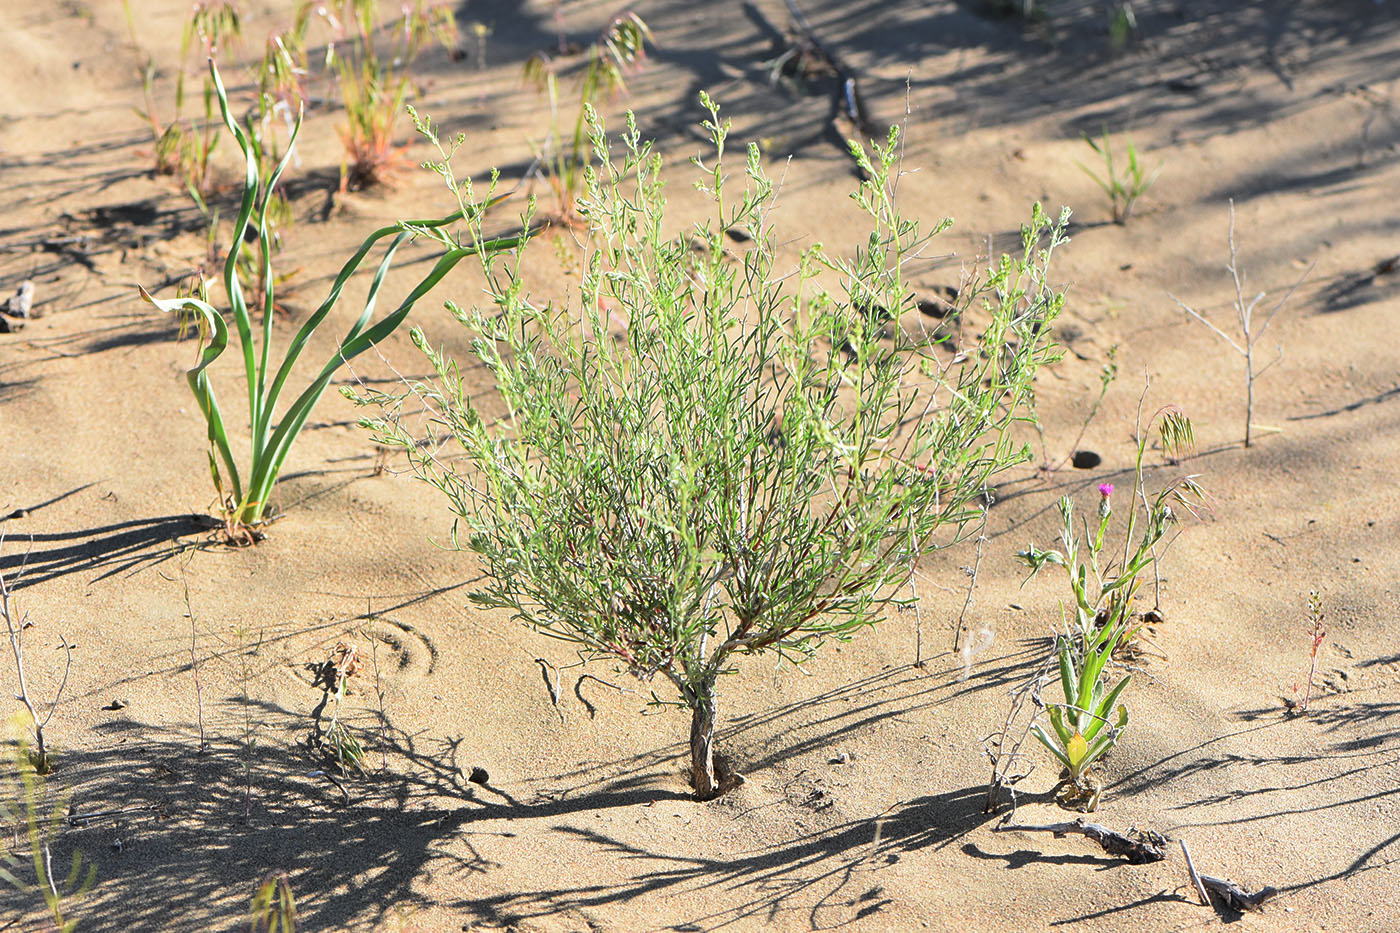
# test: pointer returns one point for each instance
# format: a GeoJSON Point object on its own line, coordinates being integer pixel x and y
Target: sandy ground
{"type": "Point", "coordinates": [584, 820]}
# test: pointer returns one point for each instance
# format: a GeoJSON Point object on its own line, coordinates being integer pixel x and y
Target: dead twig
{"type": "Point", "coordinates": [15, 628]}
{"type": "Point", "coordinates": [971, 585]}
{"type": "Point", "coordinates": [194, 658]}
{"type": "Point", "coordinates": [1137, 848]}
{"type": "Point", "coordinates": [1003, 747]}
{"type": "Point", "coordinates": [332, 778]}
{"type": "Point", "coordinates": [849, 101]}
{"type": "Point", "coordinates": [78, 820]}
{"type": "Point", "coordinates": [1195, 876]}
{"type": "Point", "coordinates": [1248, 334]}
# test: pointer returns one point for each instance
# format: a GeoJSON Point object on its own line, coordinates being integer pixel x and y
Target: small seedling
{"type": "Point", "coordinates": [1122, 25]}
{"type": "Point", "coordinates": [1108, 372]}
{"type": "Point", "coordinates": [1247, 334]}
{"type": "Point", "coordinates": [373, 100]}
{"type": "Point", "coordinates": [244, 502]}
{"type": "Point", "coordinates": [1318, 632]}
{"type": "Point", "coordinates": [184, 147]}
{"type": "Point", "coordinates": [1122, 190]}
{"type": "Point", "coordinates": [620, 48]}
{"type": "Point", "coordinates": [371, 62]}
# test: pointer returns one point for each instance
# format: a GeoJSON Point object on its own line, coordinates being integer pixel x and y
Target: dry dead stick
{"type": "Point", "coordinates": [1195, 878]}
{"type": "Point", "coordinates": [1234, 896]}
{"type": "Point", "coordinates": [851, 100]}
{"type": "Point", "coordinates": [1138, 851]}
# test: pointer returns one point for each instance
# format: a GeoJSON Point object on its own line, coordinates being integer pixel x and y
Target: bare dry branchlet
{"type": "Point", "coordinates": [1244, 341]}
{"type": "Point", "coordinates": [16, 624]}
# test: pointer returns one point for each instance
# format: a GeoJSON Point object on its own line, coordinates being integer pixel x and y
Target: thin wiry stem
{"type": "Point", "coordinates": [1244, 319]}
{"type": "Point", "coordinates": [15, 629]}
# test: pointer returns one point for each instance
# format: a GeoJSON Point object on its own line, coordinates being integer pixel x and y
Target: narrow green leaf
{"type": "Point", "coordinates": [1045, 740]}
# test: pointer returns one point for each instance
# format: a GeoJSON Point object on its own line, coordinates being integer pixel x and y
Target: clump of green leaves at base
{"type": "Point", "coordinates": [274, 909]}
{"type": "Point", "coordinates": [705, 456]}
{"type": "Point", "coordinates": [1083, 731]}
{"type": "Point", "coordinates": [244, 495]}
{"type": "Point", "coordinates": [1087, 725]}
{"type": "Point", "coordinates": [1123, 189]}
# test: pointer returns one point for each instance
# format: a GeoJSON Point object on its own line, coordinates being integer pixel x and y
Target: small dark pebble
{"type": "Point", "coordinates": [1085, 460]}
{"type": "Point", "coordinates": [479, 776]}
{"type": "Point", "coordinates": [737, 235]}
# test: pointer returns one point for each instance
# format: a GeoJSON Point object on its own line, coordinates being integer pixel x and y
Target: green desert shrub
{"type": "Point", "coordinates": [702, 455]}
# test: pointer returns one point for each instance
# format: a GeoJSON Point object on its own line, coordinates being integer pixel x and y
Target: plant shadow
{"type": "Point", "coordinates": [837, 864]}
{"type": "Point", "coordinates": [108, 550]}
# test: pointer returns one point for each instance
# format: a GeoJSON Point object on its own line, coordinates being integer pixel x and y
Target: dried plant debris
{"type": "Point", "coordinates": [19, 304]}
{"type": "Point", "coordinates": [1138, 847]}
{"type": "Point", "coordinates": [800, 58]}
{"type": "Point", "coordinates": [1236, 897]}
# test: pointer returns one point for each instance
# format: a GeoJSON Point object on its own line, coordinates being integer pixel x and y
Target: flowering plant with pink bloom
{"type": "Point", "coordinates": [1104, 585]}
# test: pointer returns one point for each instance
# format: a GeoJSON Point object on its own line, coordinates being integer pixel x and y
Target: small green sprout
{"type": "Point", "coordinates": [1122, 190]}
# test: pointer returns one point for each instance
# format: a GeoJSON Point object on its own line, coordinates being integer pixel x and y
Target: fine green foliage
{"type": "Point", "coordinates": [244, 494]}
{"type": "Point", "coordinates": [619, 48]}
{"type": "Point", "coordinates": [1087, 724]}
{"type": "Point", "coordinates": [707, 456]}
{"type": "Point", "coordinates": [32, 817]}
{"type": "Point", "coordinates": [1123, 189]}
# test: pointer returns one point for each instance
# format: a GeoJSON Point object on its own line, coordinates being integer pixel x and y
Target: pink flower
{"type": "Point", "coordinates": [1105, 489]}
